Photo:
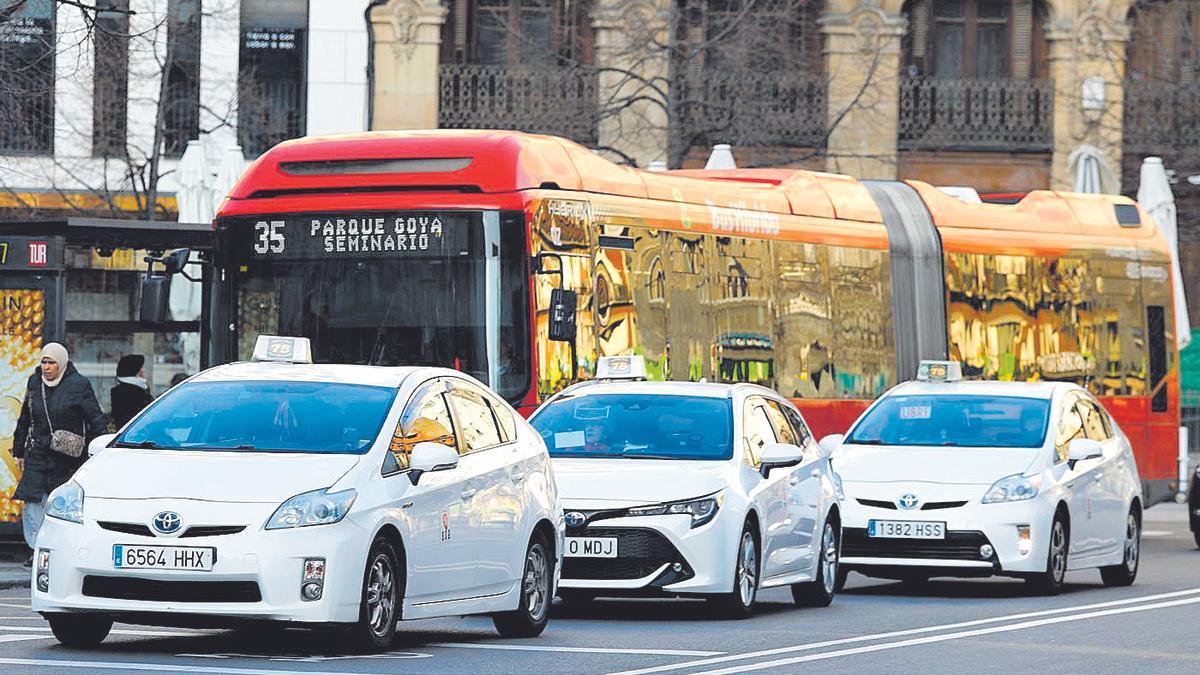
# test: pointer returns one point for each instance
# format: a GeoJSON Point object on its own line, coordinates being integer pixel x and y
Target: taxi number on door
{"type": "Point", "coordinates": [906, 529]}
{"type": "Point", "coordinates": [195, 558]}
{"type": "Point", "coordinates": [591, 547]}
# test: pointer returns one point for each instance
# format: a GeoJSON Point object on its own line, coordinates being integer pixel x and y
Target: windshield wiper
{"type": "Point", "coordinates": [865, 441]}
{"type": "Point", "coordinates": [148, 445]}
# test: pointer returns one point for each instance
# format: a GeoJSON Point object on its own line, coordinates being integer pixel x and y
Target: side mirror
{"type": "Point", "coordinates": [778, 455]}
{"type": "Point", "coordinates": [563, 305]}
{"type": "Point", "coordinates": [831, 443]}
{"type": "Point", "coordinates": [430, 457]}
{"type": "Point", "coordinates": [99, 443]}
{"type": "Point", "coordinates": [1083, 448]}
{"type": "Point", "coordinates": [176, 260]}
{"type": "Point", "coordinates": [156, 300]}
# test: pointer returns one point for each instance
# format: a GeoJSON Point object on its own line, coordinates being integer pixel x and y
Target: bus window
{"type": "Point", "coordinates": [1156, 329]}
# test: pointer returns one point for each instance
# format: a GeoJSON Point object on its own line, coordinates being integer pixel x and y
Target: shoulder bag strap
{"type": "Point", "coordinates": [46, 409]}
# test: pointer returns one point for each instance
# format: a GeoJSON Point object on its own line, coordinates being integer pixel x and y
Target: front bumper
{"type": "Point", "coordinates": [657, 555]}
{"type": "Point", "coordinates": [257, 574]}
{"type": "Point", "coordinates": [969, 528]}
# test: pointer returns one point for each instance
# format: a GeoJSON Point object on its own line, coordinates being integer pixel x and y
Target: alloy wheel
{"type": "Point", "coordinates": [1132, 543]}
{"type": "Point", "coordinates": [747, 570]}
{"type": "Point", "coordinates": [1058, 551]}
{"type": "Point", "coordinates": [536, 584]}
{"type": "Point", "coordinates": [381, 595]}
{"type": "Point", "coordinates": [829, 558]}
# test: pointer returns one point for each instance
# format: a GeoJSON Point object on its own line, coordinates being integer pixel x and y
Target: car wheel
{"type": "Point", "coordinates": [381, 598]}
{"type": "Point", "coordinates": [820, 591]}
{"type": "Point", "coordinates": [80, 631]}
{"type": "Point", "coordinates": [1125, 573]}
{"type": "Point", "coordinates": [532, 614]}
{"type": "Point", "coordinates": [1196, 533]}
{"type": "Point", "coordinates": [842, 575]}
{"type": "Point", "coordinates": [1051, 581]}
{"type": "Point", "coordinates": [739, 602]}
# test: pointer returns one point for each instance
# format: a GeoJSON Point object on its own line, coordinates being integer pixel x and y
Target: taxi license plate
{"type": "Point", "coordinates": [591, 547]}
{"type": "Point", "coordinates": [194, 558]}
{"type": "Point", "coordinates": [906, 529]}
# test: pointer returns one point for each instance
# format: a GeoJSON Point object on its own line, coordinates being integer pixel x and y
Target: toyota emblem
{"type": "Point", "coordinates": [576, 519]}
{"type": "Point", "coordinates": [908, 501]}
{"type": "Point", "coordinates": [167, 522]}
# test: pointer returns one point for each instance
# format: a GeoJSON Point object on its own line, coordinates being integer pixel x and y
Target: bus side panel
{"type": "Point", "coordinates": [830, 416]}
{"type": "Point", "coordinates": [1161, 407]}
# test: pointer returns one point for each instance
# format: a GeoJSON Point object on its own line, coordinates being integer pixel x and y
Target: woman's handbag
{"type": "Point", "coordinates": [62, 441]}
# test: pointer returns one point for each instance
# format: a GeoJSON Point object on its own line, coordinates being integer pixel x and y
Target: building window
{"type": "Point", "coordinates": [752, 35]}
{"type": "Point", "coordinates": [181, 109]}
{"type": "Point", "coordinates": [271, 76]}
{"type": "Point", "coordinates": [110, 90]}
{"type": "Point", "coordinates": [517, 32]}
{"type": "Point", "coordinates": [990, 39]}
{"type": "Point", "coordinates": [27, 87]}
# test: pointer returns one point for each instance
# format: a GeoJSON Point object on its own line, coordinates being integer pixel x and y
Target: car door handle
{"type": "Point", "coordinates": [467, 493]}
{"type": "Point", "coordinates": [518, 475]}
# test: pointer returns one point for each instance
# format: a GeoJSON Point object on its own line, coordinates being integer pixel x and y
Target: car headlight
{"type": "Point", "coordinates": [318, 507]}
{"type": "Point", "coordinates": [1016, 488]}
{"type": "Point", "coordinates": [701, 510]}
{"type": "Point", "coordinates": [837, 485]}
{"type": "Point", "coordinates": [66, 503]}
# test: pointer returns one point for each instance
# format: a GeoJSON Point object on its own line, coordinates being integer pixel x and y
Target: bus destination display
{"type": "Point", "coordinates": [317, 236]}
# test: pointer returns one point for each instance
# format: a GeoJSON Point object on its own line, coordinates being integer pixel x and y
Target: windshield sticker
{"type": "Point", "coordinates": [916, 412]}
{"type": "Point", "coordinates": [591, 413]}
{"type": "Point", "coordinates": [569, 439]}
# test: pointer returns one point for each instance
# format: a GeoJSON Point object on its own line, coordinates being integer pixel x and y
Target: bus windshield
{"type": "Point", "coordinates": [399, 288]}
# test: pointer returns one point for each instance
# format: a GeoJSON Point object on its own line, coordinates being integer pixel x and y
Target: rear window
{"type": "Point", "coordinates": [268, 416]}
{"type": "Point", "coordinates": [638, 426]}
{"type": "Point", "coordinates": [954, 420]}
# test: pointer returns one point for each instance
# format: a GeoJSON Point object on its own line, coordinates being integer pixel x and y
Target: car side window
{"type": "Point", "coordinates": [476, 425]}
{"type": "Point", "coordinates": [779, 423]}
{"type": "Point", "coordinates": [756, 431]}
{"type": "Point", "coordinates": [504, 417]}
{"type": "Point", "coordinates": [1095, 424]}
{"type": "Point", "coordinates": [1070, 427]}
{"type": "Point", "coordinates": [798, 425]}
{"type": "Point", "coordinates": [425, 420]}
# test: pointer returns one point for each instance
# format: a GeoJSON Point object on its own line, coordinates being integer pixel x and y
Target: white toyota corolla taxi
{"type": "Point", "coordinates": [680, 488]}
{"type": "Point", "coordinates": [349, 496]}
{"type": "Point", "coordinates": [970, 478]}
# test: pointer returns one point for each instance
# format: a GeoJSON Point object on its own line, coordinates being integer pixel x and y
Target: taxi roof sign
{"type": "Point", "coordinates": [621, 368]}
{"type": "Point", "coordinates": [939, 371]}
{"type": "Point", "coordinates": [282, 349]}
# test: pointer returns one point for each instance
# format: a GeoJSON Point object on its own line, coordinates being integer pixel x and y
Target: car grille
{"type": "Point", "coordinates": [928, 506]}
{"type": "Point", "coordinates": [958, 545]}
{"type": "Point", "coordinates": [640, 552]}
{"type": "Point", "coordinates": [211, 530]}
{"type": "Point", "coordinates": [126, 528]}
{"type": "Point", "coordinates": [153, 590]}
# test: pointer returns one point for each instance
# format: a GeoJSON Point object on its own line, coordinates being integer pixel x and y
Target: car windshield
{"type": "Point", "coordinates": [263, 416]}
{"type": "Point", "coordinates": [651, 426]}
{"type": "Point", "coordinates": [954, 420]}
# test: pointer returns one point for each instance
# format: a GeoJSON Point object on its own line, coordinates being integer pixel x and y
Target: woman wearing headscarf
{"type": "Point", "coordinates": [58, 398]}
{"type": "Point", "coordinates": [132, 393]}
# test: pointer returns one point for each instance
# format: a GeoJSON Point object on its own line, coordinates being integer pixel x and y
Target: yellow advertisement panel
{"type": "Point", "coordinates": [22, 314]}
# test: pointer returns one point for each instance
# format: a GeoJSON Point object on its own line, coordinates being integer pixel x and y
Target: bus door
{"type": "Point", "coordinates": [31, 312]}
{"type": "Point", "coordinates": [563, 280]}
{"type": "Point", "coordinates": [1158, 461]}
{"type": "Point", "coordinates": [689, 306]}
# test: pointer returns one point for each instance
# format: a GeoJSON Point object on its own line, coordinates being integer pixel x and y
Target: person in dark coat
{"type": "Point", "coordinates": [57, 391]}
{"type": "Point", "coordinates": [132, 393]}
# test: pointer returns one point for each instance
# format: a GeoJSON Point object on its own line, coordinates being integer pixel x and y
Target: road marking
{"type": "Point", "coordinates": [157, 667]}
{"type": "Point", "coordinates": [1157, 533]}
{"type": "Point", "coordinates": [902, 633]}
{"type": "Point", "coordinates": [116, 631]}
{"type": "Point", "coordinates": [573, 650]}
{"type": "Point", "coordinates": [309, 659]}
{"type": "Point", "coordinates": [10, 604]}
{"type": "Point", "coordinates": [22, 638]}
{"type": "Point", "coordinates": [947, 636]}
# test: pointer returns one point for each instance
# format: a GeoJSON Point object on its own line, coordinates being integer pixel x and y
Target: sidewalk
{"type": "Point", "coordinates": [13, 575]}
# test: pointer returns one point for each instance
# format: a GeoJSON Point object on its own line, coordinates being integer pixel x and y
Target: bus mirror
{"type": "Point", "coordinates": [176, 260]}
{"type": "Point", "coordinates": [156, 294]}
{"type": "Point", "coordinates": [562, 315]}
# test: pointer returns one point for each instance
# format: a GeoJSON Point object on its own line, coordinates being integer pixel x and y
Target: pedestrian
{"type": "Point", "coordinates": [179, 378]}
{"type": "Point", "coordinates": [132, 393]}
{"type": "Point", "coordinates": [60, 414]}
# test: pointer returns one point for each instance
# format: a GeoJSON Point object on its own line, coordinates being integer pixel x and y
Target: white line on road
{"type": "Point", "coordinates": [10, 604]}
{"type": "Point", "coordinates": [156, 667]}
{"type": "Point", "coordinates": [778, 651]}
{"type": "Point", "coordinates": [115, 631]}
{"type": "Point", "coordinates": [1157, 533]}
{"type": "Point", "coordinates": [778, 663]}
{"type": "Point", "coordinates": [573, 650]}
{"type": "Point", "coordinates": [22, 638]}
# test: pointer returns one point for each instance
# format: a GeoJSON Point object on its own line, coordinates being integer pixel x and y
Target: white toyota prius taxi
{"type": "Point", "coordinates": [689, 489]}
{"type": "Point", "coordinates": [970, 478]}
{"type": "Point", "coordinates": [347, 496]}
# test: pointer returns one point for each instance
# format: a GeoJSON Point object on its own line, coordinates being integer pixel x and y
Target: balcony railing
{"type": "Point", "coordinates": [976, 114]}
{"type": "Point", "coordinates": [547, 100]}
{"type": "Point", "coordinates": [753, 109]}
{"type": "Point", "coordinates": [1161, 117]}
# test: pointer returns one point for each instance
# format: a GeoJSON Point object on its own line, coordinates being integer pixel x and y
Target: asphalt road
{"type": "Point", "coordinates": [944, 626]}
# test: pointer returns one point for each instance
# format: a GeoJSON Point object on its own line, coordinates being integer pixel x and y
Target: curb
{"type": "Point", "coordinates": [6, 584]}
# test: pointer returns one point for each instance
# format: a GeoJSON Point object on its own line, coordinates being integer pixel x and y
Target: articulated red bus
{"type": "Point", "coordinates": [522, 259]}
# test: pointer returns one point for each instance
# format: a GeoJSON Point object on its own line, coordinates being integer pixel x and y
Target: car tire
{"type": "Point", "coordinates": [1051, 581]}
{"type": "Point", "coordinates": [382, 597]}
{"type": "Point", "coordinates": [820, 591]}
{"type": "Point", "coordinates": [80, 631]}
{"type": "Point", "coordinates": [1125, 573]}
{"type": "Point", "coordinates": [738, 603]}
{"type": "Point", "coordinates": [532, 614]}
{"type": "Point", "coordinates": [842, 575]}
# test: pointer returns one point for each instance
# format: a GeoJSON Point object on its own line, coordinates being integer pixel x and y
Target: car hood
{"type": "Point", "coordinates": [602, 483]}
{"type": "Point", "coordinates": [126, 473]}
{"type": "Point", "coordinates": [883, 464]}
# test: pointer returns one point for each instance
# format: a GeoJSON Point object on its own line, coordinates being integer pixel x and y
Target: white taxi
{"type": "Point", "coordinates": [945, 477]}
{"type": "Point", "coordinates": [279, 490]}
{"type": "Point", "coordinates": [689, 489]}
